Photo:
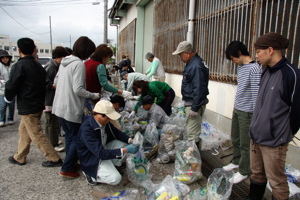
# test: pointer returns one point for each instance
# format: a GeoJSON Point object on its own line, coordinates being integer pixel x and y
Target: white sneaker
{"type": "Point", "coordinates": [59, 149]}
{"type": "Point", "coordinates": [230, 167]}
{"type": "Point", "coordinates": [237, 178]}
{"type": "Point", "coordinates": [59, 142]}
{"type": "Point", "coordinates": [10, 122]}
{"type": "Point", "coordinates": [1, 124]}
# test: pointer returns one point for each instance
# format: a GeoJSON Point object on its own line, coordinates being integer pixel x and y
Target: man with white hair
{"type": "Point", "coordinates": [194, 88]}
{"type": "Point", "coordinates": [156, 69]}
{"type": "Point", "coordinates": [131, 77]}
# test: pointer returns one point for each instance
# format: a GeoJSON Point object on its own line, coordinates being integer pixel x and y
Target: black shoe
{"type": "Point", "coordinates": [13, 161]}
{"type": "Point", "coordinates": [52, 164]}
{"type": "Point", "coordinates": [90, 180]}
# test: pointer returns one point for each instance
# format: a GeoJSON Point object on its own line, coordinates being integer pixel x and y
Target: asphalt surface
{"type": "Point", "coordinates": [32, 181]}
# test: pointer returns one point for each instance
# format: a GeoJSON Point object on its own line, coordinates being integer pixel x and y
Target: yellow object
{"type": "Point", "coordinates": [162, 196]}
{"type": "Point", "coordinates": [184, 178]}
{"type": "Point", "coordinates": [174, 198]}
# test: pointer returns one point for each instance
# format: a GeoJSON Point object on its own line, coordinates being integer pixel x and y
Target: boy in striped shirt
{"type": "Point", "coordinates": [248, 76]}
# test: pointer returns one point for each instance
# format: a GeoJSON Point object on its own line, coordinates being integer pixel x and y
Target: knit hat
{"type": "Point", "coordinates": [147, 100]}
{"type": "Point", "coordinates": [182, 47]}
{"type": "Point", "coordinates": [274, 40]}
{"type": "Point", "coordinates": [107, 108]}
{"type": "Point", "coordinates": [4, 53]}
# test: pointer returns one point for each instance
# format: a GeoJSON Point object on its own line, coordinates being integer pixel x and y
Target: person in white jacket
{"type": "Point", "coordinates": [5, 67]}
{"type": "Point", "coordinates": [69, 100]}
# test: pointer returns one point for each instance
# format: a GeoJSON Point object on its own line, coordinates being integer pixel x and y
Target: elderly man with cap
{"type": "Point", "coordinates": [275, 118]}
{"type": "Point", "coordinates": [156, 69]}
{"type": "Point", "coordinates": [101, 147]}
{"type": "Point", "coordinates": [194, 88]}
{"type": "Point", "coordinates": [131, 77]}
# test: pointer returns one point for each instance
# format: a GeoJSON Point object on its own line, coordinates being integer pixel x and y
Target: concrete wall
{"type": "Point", "coordinates": [131, 15]}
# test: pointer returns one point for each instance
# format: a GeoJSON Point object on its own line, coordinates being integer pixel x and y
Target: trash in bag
{"type": "Point", "coordinates": [166, 150]}
{"type": "Point", "coordinates": [218, 184]}
{"type": "Point", "coordinates": [151, 134]}
{"type": "Point", "coordinates": [293, 174]}
{"type": "Point", "coordinates": [294, 190]}
{"type": "Point", "coordinates": [87, 109]}
{"type": "Point", "coordinates": [198, 194]}
{"type": "Point", "coordinates": [127, 125]}
{"type": "Point", "coordinates": [187, 162]}
{"type": "Point", "coordinates": [178, 109]}
{"type": "Point", "coordinates": [137, 165]}
{"type": "Point", "coordinates": [130, 104]}
{"type": "Point", "coordinates": [127, 194]}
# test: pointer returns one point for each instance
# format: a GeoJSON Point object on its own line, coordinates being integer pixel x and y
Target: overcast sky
{"type": "Point", "coordinates": [73, 18]}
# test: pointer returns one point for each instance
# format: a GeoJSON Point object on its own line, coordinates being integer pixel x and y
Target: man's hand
{"type": "Point", "coordinates": [133, 148]}
{"type": "Point", "coordinates": [3, 81]}
{"type": "Point", "coordinates": [193, 114]}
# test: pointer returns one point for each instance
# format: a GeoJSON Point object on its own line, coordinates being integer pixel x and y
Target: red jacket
{"type": "Point", "coordinates": [92, 81]}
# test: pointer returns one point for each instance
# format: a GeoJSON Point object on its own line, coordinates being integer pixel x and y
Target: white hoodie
{"type": "Point", "coordinates": [70, 91]}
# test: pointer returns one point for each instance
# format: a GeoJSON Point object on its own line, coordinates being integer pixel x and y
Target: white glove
{"type": "Point", "coordinates": [3, 81]}
{"type": "Point", "coordinates": [136, 119]}
{"type": "Point", "coordinates": [136, 97]}
{"type": "Point", "coordinates": [126, 94]}
{"type": "Point", "coordinates": [131, 115]}
{"type": "Point", "coordinates": [123, 81]}
{"type": "Point", "coordinates": [193, 114]}
{"type": "Point", "coordinates": [136, 127]}
{"type": "Point", "coordinates": [96, 96]}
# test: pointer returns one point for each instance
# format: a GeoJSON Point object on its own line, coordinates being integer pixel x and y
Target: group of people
{"type": "Point", "coordinates": [261, 129]}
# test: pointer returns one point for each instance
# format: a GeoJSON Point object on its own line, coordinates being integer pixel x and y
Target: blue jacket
{"type": "Point", "coordinates": [194, 86]}
{"type": "Point", "coordinates": [277, 110]}
{"type": "Point", "coordinates": [89, 145]}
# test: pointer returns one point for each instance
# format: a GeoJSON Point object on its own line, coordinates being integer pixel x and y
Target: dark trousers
{"type": "Point", "coordinates": [167, 102]}
{"type": "Point", "coordinates": [52, 128]}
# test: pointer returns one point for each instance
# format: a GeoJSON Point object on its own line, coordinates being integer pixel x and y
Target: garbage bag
{"type": "Point", "coordinates": [127, 194]}
{"type": "Point", "coordinates": [137, 165]}
{"type": "Point", "coordinates": [218, 184]}
{"type": "Point", "coordinates": [187, 162]}
{"type": "Point", "coordinates": [198, 194]}
{"type": "Point", "coordinates": [130, 104]}
{"type": "Point", "coordinates": [293, 189]}
{"type": "Point", "coordinates": [87, 109]}
{"type": "Point", "coordinates": [151, 134]}
{"type": "Point", "coordinates": [293, 174]}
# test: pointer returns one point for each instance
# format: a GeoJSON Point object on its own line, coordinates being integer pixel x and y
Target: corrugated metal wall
{"type": "Point", "coordinates": [127, 42]}
{"type": "Point", "coordinates": [218, 22]}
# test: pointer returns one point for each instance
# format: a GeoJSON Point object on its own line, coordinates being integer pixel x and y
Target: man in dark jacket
{"type": "Point", "coordinates": [52, 125]}
{"type": "Point", "coordinates": [101, 147]}
{"type": "Point", "coordinates": [275, 117]}
{"type": "Point", "coordinates": [194, 88]}
{"type": "Point", "coordinates": [28, 82]}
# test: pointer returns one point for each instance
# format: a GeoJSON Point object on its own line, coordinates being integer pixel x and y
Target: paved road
{"type": "Point", "coordinates": [32, 181]}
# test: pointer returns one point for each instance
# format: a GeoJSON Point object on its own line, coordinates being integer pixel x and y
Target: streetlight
{"type": "Point", "coordinates": [105, 19]}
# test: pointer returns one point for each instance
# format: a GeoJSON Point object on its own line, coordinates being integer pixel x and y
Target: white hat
{"type": "Point", "coordinates": [107, 108]}
{"type": "Point", "coordinates": [182, 47]}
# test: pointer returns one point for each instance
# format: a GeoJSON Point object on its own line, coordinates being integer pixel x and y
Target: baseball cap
{"type": "Point", "coordinates": [182, 47]}
{"type": "Point", "coordinates": [107, 108]}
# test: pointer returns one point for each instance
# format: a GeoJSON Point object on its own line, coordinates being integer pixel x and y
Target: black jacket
{"type": "Point", "coordinates": [51, 70]}
{"type": "Point", "coordinates": [28, 82]}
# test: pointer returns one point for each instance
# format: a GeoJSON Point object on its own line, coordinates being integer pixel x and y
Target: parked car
{"type": "Point", "coordinates": [43, 60]}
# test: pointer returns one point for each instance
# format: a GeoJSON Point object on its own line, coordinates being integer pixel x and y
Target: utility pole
{"type": "Point", "coordinates": [50, 34]}
{"type": "Point", "coordinates": [70, 42]}
{"type": "Point", "coordinates": [105, 22]}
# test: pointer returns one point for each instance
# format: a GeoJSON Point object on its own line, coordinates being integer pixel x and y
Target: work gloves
{"type": "Point", "coordinates": [126, 94]}
{"type": "Point", "coordinates": [95, 96]}
{"type": "Point", "coordinates": [3, 81]}
{"type": "Point", "coordinates": [133, 148]}
{"type": "Point", "coordinates": [193, 114]}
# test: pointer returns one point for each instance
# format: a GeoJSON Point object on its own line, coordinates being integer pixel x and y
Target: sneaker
{"type": "Point", "coordinates": [1, 124]}
{"type": "Point", "coordinates": [10, 122]}
{"type": "Point", "coordinates": [59, 142]}
{"type": "Point", "coordinates": [237, 178]}
{"type": "Point", "coordinates": [70, 174]}
{"type": "Point", "coordinates": [90, 180]}
{"type": "Point", "coordinates": [59, 149]}
{"type": "Point", "coordinates": [13, 161]}
{"type": "Point", "coordinates": [52, 164]}
{"type": "Point", "coordinates": [230, 167]}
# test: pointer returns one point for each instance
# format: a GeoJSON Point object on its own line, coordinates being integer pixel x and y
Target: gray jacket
{"type": "Point", "coordinates": [4, 75]}
{"type": "Point", "coordinates": [155, 115]}
{"type": "Point", "coordinates": [51, 69]}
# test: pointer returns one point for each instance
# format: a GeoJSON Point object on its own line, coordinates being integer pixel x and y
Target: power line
{"type": "Point", "coordinates": [21, 24]}
{"type": "Point", "coordinates": [43, 3]}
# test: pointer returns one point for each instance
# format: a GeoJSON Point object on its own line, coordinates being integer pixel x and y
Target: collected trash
{"type": "Point", "coordinates": [218, 185]}
{"type": "Point", "coordinates": [293, 174]}
{"type": "Point", "coordinates": [187, 162]}
{"type": "Point", "coordinates": [151, 134]}
{"type": "Point", "coordinates": [129, 105]}
{"type": "Point", "coordinates": [87, 109]}
{"type": "Point", "coordinates": [198, 194]}
{"type": "Point", "coordinates": [293, 189]}
{"type": "Point", "coordinates": [127, 194]}
{"type": "Point", "coordinates": [212, 138]}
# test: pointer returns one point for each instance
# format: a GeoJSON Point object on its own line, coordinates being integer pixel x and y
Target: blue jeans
{"type": "Point", "coordinates": [11, 109]}
{"type": "Point", "coordinates": [71, 130]}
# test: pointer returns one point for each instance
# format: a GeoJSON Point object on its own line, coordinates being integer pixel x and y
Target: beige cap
{"type": "Point", "coordinates": [107, 108]}
{"type": "Point", "coordinates": [182, 47]}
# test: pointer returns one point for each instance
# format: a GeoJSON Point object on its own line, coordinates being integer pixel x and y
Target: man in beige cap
{"type": "Point", "coordinates": [194, 88]}
{"type": "Point", "coordinates": [275, 118]}
{"type": "Point", "coordinates": [101, 147]}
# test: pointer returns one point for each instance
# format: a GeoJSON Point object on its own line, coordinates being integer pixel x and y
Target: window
{"type": "Point", "coordinates": [127, 38]}
{"type": "Point", "coordinates": [6, 48]}
{"type": "Point", "coordinates": [41, 50]}
{"type": "Point", "coordinates": [46, 50]}
{"type": "Point", "coordinates": [14, 48]}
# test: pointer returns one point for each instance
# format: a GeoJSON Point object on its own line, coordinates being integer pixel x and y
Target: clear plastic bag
{"type": "Point", "coordinates": [167, 189]}
{"type": "Point", "coordinates": [187, 162]}
{"type": "Point", "coordinates": [151, 134]}
{"type": "Point", "coordinates": [218, 184]}
{"type": "Point", "coordinates": [130, 104]}
{"type": "Point", "coordinates": [87, 109]}
{"type": "Point", "coordinates": [198, 194]}
{"type": "Point", "coordinates": [293, 174]}
{"type": "Point", "coordinates": [137, 165]}
{"type": "Point", "coordinates": [127, 194]}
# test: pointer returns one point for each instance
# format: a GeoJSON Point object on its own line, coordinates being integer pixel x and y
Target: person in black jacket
{"type": "Point", "coordinates": [28, 82]}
